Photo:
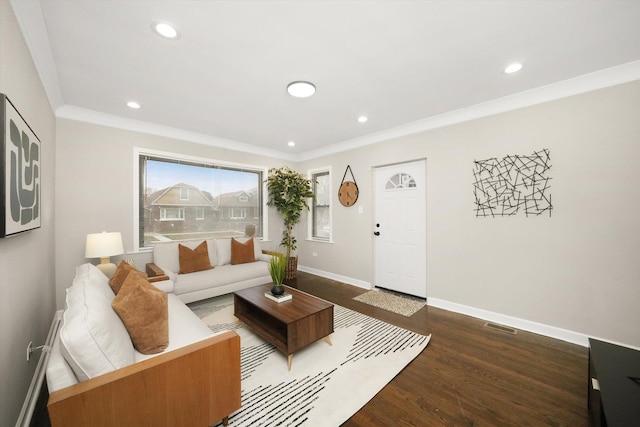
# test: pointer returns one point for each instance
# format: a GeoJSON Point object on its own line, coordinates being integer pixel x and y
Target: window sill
{"type": "Point", "coordinates": [319, 240]}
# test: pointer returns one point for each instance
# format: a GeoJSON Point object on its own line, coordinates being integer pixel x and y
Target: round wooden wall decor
{"type": "Point", "coordinates": [348, 191]}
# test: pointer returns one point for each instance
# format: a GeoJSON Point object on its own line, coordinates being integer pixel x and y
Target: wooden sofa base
{"type": "Point", "coordinates": [196, 385]}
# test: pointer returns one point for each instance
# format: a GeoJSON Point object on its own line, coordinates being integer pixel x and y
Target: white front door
{"type": "Point", "coordinates": [400, 228]}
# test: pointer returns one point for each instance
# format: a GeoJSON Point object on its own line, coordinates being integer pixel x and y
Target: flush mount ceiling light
{"type": "Point", "coordinates": [301, 89]}
{"type": "Point", "coordinates": [513, 68]}
{"type": "Point", "coordinates": [291, 144]}
{"type": "Point", "coordinates": [362, 119]}
{"type": "Point", "coordinates": [166, 30]}
{"type": "Point", "coordinates": [134, 105]}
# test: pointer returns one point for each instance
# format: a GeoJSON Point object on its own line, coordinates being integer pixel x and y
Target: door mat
{"type": "Point", "coordinates": [400, 304]}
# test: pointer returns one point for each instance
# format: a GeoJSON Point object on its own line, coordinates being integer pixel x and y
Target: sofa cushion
{"type": "Point", "coordinates": [184, 327]}
{"type": "Point", "coordinates": [59, 372]}
{"type": "Point", "coordinates": [93, 339]}
{"type": "Point", "coordinates": [242, 253]}
{"type": "Point", "coordinates": [222, 275]}
{"type": "Point", "coordinates": [192, 260]}
{"type": "Point", "coordinates": [123, 270]}
{"type": "Point", "coordinates": [144, 312]}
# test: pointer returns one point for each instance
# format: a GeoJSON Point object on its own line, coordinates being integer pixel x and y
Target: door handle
{"type": "Point", "coordinates": [377, 233]}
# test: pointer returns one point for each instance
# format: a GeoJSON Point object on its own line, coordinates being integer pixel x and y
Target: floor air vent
{"type": "Point", "coordinates": [501, 328]}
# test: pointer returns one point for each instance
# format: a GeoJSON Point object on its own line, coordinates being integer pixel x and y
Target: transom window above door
{"type": "Point", "coordinates": [400, 181]}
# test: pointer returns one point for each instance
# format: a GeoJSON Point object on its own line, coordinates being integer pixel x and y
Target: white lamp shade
{"type": "Point", "coordinates": [103, 244]}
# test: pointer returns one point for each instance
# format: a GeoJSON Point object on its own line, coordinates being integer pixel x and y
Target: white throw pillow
{"type": "Point", "coordinates": [223, 249]}
{"type": "Point", "coordinates": [93, 339]}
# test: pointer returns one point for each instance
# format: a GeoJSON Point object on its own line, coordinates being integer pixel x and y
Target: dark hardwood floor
{"type": "Point", "coordinates": [470, 374]}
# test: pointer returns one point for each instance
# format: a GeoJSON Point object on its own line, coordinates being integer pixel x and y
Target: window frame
{"type": "Point", "coordinates": [311, 174]}
{"type": "Point", "coordinates": [200, 213]}
{"type": "Point", "coordinates": [242, 211]}
{"type": "Point", "coordinates": [163, 214]}
{"type": "Point", "coordinates": [184, 193]}
{"type": "Point", "coordinates": [139, 152]}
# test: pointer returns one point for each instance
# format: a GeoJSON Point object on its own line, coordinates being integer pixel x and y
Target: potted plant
{"type": "Point", "coordinates": [289, 192]}
{"type": "Point", "coordinates": [277, 267]}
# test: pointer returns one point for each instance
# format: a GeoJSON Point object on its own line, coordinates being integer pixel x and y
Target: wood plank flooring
{"type": "Point", "coordinates": [469, 374]}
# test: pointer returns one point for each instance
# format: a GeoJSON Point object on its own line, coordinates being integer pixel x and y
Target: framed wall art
{"type": "Point", "coordinates": [518, 184]}
{"type": "Point", "coordinates": [20, 173]}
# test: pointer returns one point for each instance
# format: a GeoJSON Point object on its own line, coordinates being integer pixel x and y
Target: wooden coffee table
{"type": "Point", "coordinates": [289, 325]}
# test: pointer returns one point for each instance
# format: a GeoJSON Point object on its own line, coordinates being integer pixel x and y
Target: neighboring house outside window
{"type": "Point", "coordinates": [189, 210]}
{"type": "Point", "coordinates": [320, 223]}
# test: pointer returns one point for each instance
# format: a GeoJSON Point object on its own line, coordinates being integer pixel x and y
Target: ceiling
{"type": "Point", "coordinates": [402, 64]}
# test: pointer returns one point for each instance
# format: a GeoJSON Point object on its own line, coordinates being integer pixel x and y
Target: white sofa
{"type": "Point", "coordinates": [224, 278]}
{"type": "Point", "coordinates": [96, 377]}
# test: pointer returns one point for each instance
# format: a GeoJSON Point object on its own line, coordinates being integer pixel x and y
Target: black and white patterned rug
{"type": "Point", "coordinates": [327, 384]}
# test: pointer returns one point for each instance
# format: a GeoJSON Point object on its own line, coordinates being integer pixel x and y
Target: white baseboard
{"type": "Point", "coordinates": [514, 322]}
{"type": "Point", "coordinates": [327, 275]}
{"type": "Point", "coordinates": [502, 319]}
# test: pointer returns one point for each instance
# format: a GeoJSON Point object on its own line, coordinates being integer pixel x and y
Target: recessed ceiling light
{"type": "Point", "coordinates": [301, 89]}
{"type": "Point", "coordinates": [291, 144]}
{"type": "Point", "coordinates": [133, 104]}
{"type": "Point", "coordinates": [513, 68]}
{"type": "Point", "coordinates": [362, 119]}
{"type": "Point", "coordinates": [166, 30]}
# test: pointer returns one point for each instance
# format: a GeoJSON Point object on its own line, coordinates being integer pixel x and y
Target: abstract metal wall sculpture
{"type": "Point", "coordinates": [512, 185]}
{"type": "Point", "coordinates": [20, 175]}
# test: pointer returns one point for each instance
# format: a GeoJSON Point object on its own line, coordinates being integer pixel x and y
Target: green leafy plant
{"type": "Point", "coordinates": [277, 266]}
{"type": "Point", "coordinates": [289, 192]}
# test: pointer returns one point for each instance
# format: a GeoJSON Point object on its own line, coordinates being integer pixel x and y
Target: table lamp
{"type": "Point", "coordinates": [103, 245]}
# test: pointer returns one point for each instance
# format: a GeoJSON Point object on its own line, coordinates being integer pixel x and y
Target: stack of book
{"type": "Point", "coordinates": [278, 298]}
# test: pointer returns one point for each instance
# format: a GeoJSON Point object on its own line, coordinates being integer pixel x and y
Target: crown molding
{"type": "Point", "coordinates": [108, 120]}
{"type": "Point", "coordinates": [34, 30]}
{"type": "Point", "coordinates": [586, 83]}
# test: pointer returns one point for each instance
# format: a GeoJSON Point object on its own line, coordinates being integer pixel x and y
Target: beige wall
{"type": "Point", "coordinates": [27, 304]}
{"type": "Point", "coordinates": [578, 270]}
{"type": "Point", "coordinates": [94, 188]}
{"type": "Point", "coordinates": [575, 271]}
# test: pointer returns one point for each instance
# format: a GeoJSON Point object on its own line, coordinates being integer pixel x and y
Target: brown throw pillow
{"type": "Point", "coordinates": [192, 260]}
{"type": "Point", "coordinates": [242, 253]}
{"type": "Point", "coordinates": [144, 311]}
{"type": "Point", "coordinates": [123, 270]}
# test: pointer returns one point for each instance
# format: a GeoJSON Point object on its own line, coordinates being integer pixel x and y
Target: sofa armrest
{"type": "Point", "coordinates": [195, 385]}
{"type": "Point", "coordinates": [155, 273]}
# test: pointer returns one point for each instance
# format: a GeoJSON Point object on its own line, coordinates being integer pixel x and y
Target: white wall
{"type": "Point", "coordinates": [578, 270]}
{"type": "Point", "coordinates": [27, 303]}
{"type": "Point", "coordinates": [94, 189]}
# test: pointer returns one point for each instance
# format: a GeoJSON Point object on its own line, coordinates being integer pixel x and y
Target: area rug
{"type": "Point", "coordinates": [390, 301]}
{"type": "Point", "coordinates": [326, 384]}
